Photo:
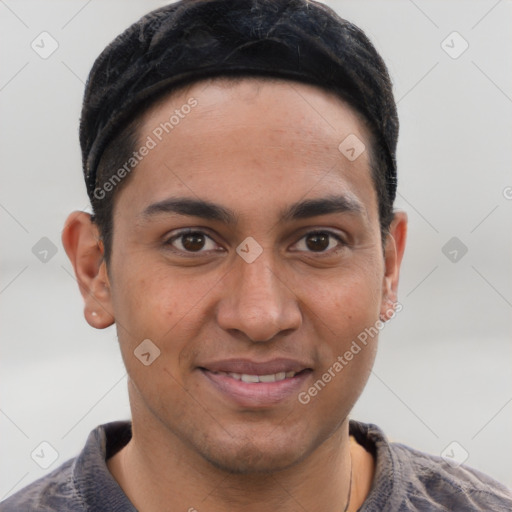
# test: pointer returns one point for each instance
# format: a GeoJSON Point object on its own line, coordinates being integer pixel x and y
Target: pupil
{"type": "Point", "coordinates": [197, 241]}
{"type": "Point", "coordinates": [318, 237]}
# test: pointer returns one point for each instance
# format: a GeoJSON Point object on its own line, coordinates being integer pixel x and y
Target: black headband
{"type": "Point", "coordinates": [190, 40]}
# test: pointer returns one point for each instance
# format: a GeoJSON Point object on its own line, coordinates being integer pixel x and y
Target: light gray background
{"type": "Point", "coordinates": [444, 368]}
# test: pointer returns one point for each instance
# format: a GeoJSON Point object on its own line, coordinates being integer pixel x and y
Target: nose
{"type": "Point", "coordinates": [258, 301]}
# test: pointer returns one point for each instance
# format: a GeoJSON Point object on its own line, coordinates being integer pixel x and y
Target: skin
{"type": "Point", "coordinates": [254, 147]}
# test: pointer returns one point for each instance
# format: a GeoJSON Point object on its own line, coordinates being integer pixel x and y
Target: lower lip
{"type": "Point", "coordinates": [257, 394]}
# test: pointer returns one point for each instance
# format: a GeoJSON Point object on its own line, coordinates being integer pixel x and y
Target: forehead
{"type": "Point", "coordinates": [224, 139]}
{"type": "Point", "coordinates": [301, 108]}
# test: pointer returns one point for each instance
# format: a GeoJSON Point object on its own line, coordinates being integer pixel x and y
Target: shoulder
{"type": "Point", "coordinates": [409, 480]}
{"type": "Point", "coordinates": [82, 483]}
{"type": "Point", "coordinates": [431, 483]}
{"type": "Point", "coordinates": [53, 492]}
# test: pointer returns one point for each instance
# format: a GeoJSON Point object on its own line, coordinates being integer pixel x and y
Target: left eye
{"type": "Point", "coordinates": [319, 241]}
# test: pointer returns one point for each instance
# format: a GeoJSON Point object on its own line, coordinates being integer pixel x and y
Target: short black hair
{"type": "Point", "coordinates": [192, 40]}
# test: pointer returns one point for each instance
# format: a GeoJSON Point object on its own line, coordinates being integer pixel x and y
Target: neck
{"type": "Point", "coordinates": [158, 472]}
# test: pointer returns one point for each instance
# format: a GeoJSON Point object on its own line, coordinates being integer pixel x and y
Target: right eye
{"type": "Point", "coordinates": [189, 241]}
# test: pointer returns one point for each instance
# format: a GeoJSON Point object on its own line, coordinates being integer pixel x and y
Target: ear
{"type": "Point", "coordinates": [393, 253]}
{"type": "Point", "coordinates": [81, 241]}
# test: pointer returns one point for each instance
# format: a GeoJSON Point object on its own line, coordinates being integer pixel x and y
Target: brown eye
{"type": "Point", "coordinates": [191, 242]}
{"type": "Point", "coordinates": [317, 241]}
{"type": "Point", "coordinates": [321, 242]}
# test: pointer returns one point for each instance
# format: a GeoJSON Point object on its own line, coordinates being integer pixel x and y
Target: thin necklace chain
{"type": "Point", "coordinates": [349, 488]}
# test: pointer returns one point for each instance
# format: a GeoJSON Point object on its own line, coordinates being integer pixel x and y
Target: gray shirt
{"type": "Point", "coordinates": [405, 480]}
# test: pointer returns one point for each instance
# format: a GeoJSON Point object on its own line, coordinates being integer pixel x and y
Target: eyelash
{"type": "Point", "coordinates": [193, 254]}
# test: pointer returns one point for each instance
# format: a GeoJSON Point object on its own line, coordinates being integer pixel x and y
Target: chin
{"type": "Point", "coordinates": [250, 460]}
{"type": "Point", "coordinates": [255, 454]}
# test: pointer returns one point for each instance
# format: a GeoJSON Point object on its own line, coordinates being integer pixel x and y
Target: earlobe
{"type": "Point", "coordinates": [393, 254]}
{"type": "Point", "coordinates": [81, 241]}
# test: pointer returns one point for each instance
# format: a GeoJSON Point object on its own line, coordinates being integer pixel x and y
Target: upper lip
{"type": "Point", "coordinates": [249, 367]}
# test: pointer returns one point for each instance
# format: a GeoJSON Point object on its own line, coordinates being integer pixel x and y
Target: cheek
{"type": "Point", "coordinates": [150, 303]}
{"type": "Point", "coordinates": [346, 316]}
{"type": "Point", "coordinates": [153, 302]}
{"type": "Point", "coordinates": [348, 301]}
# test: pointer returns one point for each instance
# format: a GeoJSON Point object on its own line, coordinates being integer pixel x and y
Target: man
{"type": "Point", "coordinates": [240, 161]}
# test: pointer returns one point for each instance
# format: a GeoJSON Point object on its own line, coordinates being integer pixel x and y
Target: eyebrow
{"type": "Point", "coordinates": [211, 211]}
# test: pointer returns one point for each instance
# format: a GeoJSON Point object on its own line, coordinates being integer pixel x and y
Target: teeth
{"type": "Point", "coordinates": [267, 378]}
{"type": "Point", "coordinates": [273, 377]}
{"type": "Point", "coordinates": [249, 378]}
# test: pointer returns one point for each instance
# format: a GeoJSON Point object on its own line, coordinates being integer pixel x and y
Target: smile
{"type": "Point", "coordinates": [271, 377]}
{"type": "Point", "coordinates": [255, 390]}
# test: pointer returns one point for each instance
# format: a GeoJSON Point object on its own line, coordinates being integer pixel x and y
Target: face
{"type": "Point", "coordinates": [252, 297]}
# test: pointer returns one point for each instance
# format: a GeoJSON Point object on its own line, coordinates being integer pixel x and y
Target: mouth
{"type": "Point", "coordinates": [253, 379]}
{"type": "Point", "coordinates": [256, 385]}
